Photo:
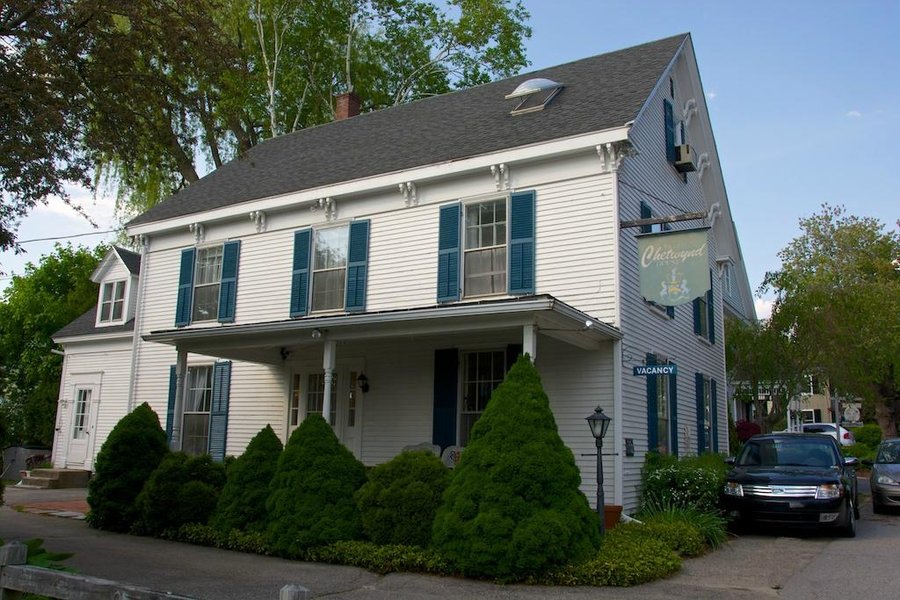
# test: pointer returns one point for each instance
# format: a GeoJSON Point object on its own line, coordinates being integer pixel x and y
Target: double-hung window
{"type": "Point", "coordinates": [483, 372]}
{"type": "Point", "coordinates": [329, 277]}
{"type": "Point", "coordinates": [704, 314]}
{"type": "Point", "coordinates": [112, 302]}
{"type": "Point", "coordinates": [662, 414]}
{"type": "Point", "coordinates": [485, 250]}
{"type": "Point", "coordinates": [197, 406]}
{"type": "Point", "coordinates": [705, 413]}
{"type": "Point", "coordinates": [206, 283]}
{"type": "Point", "coordinates": [81, 413]}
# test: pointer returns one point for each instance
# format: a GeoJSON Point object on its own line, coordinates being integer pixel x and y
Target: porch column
{"type": "Point", "coordinates": [178, 412]}
{"type": "Point", "coordinates": [529, 341]}
{"type": "Point", "coordinates": [328, 366]}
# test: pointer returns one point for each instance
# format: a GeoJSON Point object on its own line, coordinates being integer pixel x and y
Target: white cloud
{"type": "Point", "coordinates": [763, 307]}
{"type": "Point", "coordinates": [853, 114]}
{"type": "Point", "coordinates": [711, 96]}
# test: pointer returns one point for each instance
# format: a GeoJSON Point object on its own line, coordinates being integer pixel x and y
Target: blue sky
{"type": "Point", "coordinates": [804, 98]}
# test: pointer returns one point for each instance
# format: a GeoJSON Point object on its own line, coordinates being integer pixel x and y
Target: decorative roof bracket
{"type": "Point", "coordinates": [259, 219]}
{"type": "Point", "coordinates": [328, 205]}
{"type": "Point", "coordinates": [702, 164]}
{"type": "Point", "coordinates": [199, 232]}
{"type": "Point", "coordinates": [408, 189]}
{"type": "Point", "coordinates": [501, 176]}
{"type": "Point", "coordinates": [611, 155]}
{"type": "Point", "coordinates": [688, 112]}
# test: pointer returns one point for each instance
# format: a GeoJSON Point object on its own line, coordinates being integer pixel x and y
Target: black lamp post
{"type": "Point", "coordinates": [599, 424]}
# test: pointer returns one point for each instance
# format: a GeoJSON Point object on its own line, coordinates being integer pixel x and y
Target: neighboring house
{"type": "Point", "coordinates": [386, 269]}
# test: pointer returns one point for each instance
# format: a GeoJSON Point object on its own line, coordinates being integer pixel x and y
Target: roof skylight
{"type": "Point", "coordinates": [535, 94]}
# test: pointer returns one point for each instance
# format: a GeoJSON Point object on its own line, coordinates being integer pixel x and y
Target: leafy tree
{"type": "Point", "coordinates": [311, 496]}
{"type": "Point", "coordinates": [513, 507]}
{"type": "Point", "coordinates": [34, 306]}
{"type": "Point", "coordinates": [132, 452]}
{"type": "Point", "coordinates": [399, 501]}
{"type": "Point", "coordinates": [838, 291]}
{"type": "Point", "coordinates": [242, 504]}
{"type": "Point", "coordinates": [141, 89]}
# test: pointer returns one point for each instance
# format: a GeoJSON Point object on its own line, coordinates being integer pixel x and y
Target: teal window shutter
{"type": "Point", "coordinates": [170, 409]}
{"type": "Point", "coordinates": [218, 414]}
{"type": "Point", "coordinates": [714, 412]}
{"type": "Point", "coordinates": [448, 253]}
{"type": "Point", "coordinates": [701, 430]}
{"type": "Point", "coordinates": [672, 382]}
{"type": "Point", "coordinates": [357, 266]}
{"type": "Point", "coordinates": [670, 130]}
{"type": "Point", "coordinates": [652, 423]}
{"type": "Point", "coordinates": [446, 381]}
{"type": "Point", "coordinates": [697, 326]}
{"type": "Point", "coordinates": [711, 311]}
{"type": "Point", "coordinates": [646, 213]}
{"type": "Point", "coordinates": [670, 311]}
{"type": "Point", "coordinates": [231, 252]}
{"type": "Point", "coordinates": [521, 243]}
{"type": "Point", "coordinates": [300, 273]}
{"type": "Point", "coordinates": [185, 288]}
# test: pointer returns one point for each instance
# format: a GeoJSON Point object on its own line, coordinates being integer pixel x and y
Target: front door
{"type": "Point", "coordinates": [308, 394]}
{"type": "Point", "coordinates": [84, 400]}
{"type": "Point", "coordinates": [348, 411]}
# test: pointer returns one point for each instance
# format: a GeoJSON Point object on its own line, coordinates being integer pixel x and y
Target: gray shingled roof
{"type": "Point", "coordinates": [601, 92]}
{"type": "Point", "coordinates": [86, 325]}
{"type": "Point", "coordinates": [131, 259]}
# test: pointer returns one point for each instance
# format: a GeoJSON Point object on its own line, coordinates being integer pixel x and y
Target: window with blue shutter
{"type": "Point", "coordinates": [701, 411]}
{"type": "Point", "coordinates": [231, 252]}
{"type": "Point", "coordinates": [185, 288]}
{"type": "Point", "coordinates": [672, 383]}
{"type": "Point", "coordinates": [669, 117]}
{"type": "Point", "coordinates": [448, 253]}
{"type": "Point", "coordinates": [218, 415]}
{"type": "Point", "coordinates": [170, 409]}
{"type": "Point", "coordinates": [704, 314]}
{"type": "Point", "coordinates": [521, 243]}
{"type": "Point", "coordinates": [714, 412]}
{"type": "Point", "coordinates": [446, 381]}
{"type": "Point", "coordinates": [357, 266]}
{"type": "Point", "coordinates": [652, 410]}
{"type": "Point", "coordinates": [300, 274]}
{"type": "Point", "coordinates": [711, 311]}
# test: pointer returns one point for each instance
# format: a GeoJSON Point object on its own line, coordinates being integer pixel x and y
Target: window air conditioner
{"type": "Point", "coordinates": [684, 159]}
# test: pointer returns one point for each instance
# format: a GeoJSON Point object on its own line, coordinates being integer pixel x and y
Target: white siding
{"type": "Point", "coordinates": [648, 177]}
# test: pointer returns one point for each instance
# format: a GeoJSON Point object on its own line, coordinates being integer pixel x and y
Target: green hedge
{"type": "Point", "coordinates": [399, 501]}
{"type": "Point", "coordinates": [693, 481]}
{"type": "Point", "coordinates": [134, 449]}
{"type": "Point", "coordinates": [870, 435]}
{"type": "Point", "coordinates": [206, 535]}
{"type": "Point", "coordinates": [381, 559]}
{"type": "Point", "coordinates": [860, 451]}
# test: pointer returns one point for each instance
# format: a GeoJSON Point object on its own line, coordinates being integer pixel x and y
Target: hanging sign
{"type": "Point", "coordinates": [674, 266]}
{"type": "Point", "coordinates": [655, 370]}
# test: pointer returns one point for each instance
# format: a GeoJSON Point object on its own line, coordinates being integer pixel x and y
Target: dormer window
{"type": "Point", "coordinates": [112, 301]}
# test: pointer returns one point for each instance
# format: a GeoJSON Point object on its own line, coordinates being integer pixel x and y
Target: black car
{"type": "Point", "coordinates": [792, 479]}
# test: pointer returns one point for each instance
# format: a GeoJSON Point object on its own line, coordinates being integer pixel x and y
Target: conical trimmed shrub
{"type": "Point", "coordinates": [513, 507]}
{"type": "Point", "coordinates": [311, 496]}
{"type": "Point", "coordinates": [242, 504]}
{"type": "Point", "coordinates": [133, 450]}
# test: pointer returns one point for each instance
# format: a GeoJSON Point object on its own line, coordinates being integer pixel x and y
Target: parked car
{"type": "Point", "coordinates": [885, 478]}
{"type": "Point", "coordinates": [846, 439]}
{"type": "Point", "coordinates": [794, 479]}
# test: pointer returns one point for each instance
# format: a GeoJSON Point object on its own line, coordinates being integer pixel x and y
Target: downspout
{"type": "Point", "coordinates": [136, 336]}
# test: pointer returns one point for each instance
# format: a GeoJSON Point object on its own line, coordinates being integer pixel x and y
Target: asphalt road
{"type": "Point", "coordinates": [765, 565]}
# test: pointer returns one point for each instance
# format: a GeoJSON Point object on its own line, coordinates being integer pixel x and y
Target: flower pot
{"type": "Point", "coordinates": [611, 515]}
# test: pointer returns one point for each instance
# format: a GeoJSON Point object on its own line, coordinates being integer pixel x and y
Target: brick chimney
{"type": "Point", "coordinates": [346, 106]}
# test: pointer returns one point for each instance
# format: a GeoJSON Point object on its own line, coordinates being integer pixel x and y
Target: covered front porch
{"type": "Point", "coordinates": [393, 379]}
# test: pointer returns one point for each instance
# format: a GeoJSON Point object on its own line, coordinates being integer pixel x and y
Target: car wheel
{"type": "Point", "coordinates": [849, 528]}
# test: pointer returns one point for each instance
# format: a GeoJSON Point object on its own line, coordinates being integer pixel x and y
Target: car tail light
{"type": "Point", "coordinates": [846, 435]}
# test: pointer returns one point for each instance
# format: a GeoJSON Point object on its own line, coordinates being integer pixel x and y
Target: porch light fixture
{"type": "Point", "coordinates": [363, 382]}
{"type": "Point", "coordinates": [599, 424]}
{"type": "Point", "coordinates": [316, 334]}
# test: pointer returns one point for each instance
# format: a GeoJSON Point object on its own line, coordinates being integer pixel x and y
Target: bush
{"type": "Point", "coordinates": [513, 507]}
{"type": "Point", "coordinates": [628, 557]}
{"type": "Point", "coordinates": [746, 430]}
{"type": "Point", "coordinates": [381, 559]}
{"type": "Point", "coordinates": [133, 450]}
{"type": "Point", "coordinates": [860, 451]}
{"type": "Point", "coordinates": [691, 482]}
{"type": "Point", "coordinates": [709, 526]}
{"type": "Point", "coordinates": [242, 504]}
{"type": "Point", "coordinates": [204, 535]}
{"type": "Point", "coordinates": [311, 496]}
{"type": "Point", "coordinates": [870, 435]}
{"type": "Point", "coordinates": [399, 501]}
{"type": "Point", "coordinates": [184, 489]}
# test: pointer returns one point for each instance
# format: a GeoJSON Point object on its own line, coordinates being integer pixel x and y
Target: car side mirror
{"type": "Point", "coordinates": [851, 461]}
{"type": "Point", "coordinates": [730, 461]}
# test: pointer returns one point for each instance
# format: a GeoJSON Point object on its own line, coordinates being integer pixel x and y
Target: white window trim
{"type": "Point", "coordinates": [464, 251]}
{"type": "Point", "coordinates": [462, 385]}
{"type": "Point", "coordinates": [195, 285]}
{"type": "Point", "coordinates": [125, 293]}
{"type": "Point", "coordinates": [313, 271]}
{"type": "Point", "coordinates": [187, 390]}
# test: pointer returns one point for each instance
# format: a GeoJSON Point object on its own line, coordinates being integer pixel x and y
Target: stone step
{"type": "Point", "coordinates": [57, 478]}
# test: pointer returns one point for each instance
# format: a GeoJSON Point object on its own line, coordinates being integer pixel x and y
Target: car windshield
{"type": "Point", "coordinates": [818, 428]}
{"type": "Point", "coordinates": [801, 452]}
{"type": "Point", "coordinates": [889, 453]}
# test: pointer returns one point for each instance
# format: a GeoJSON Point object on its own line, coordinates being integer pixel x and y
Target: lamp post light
{"type": "Point", "coordinates": [599, 424]}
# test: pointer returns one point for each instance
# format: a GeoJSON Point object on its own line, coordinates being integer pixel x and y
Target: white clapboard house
{"type": "Point", "coordinates": [386, 269]}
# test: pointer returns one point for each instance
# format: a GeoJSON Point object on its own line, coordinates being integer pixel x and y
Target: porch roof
{"type": "Point", "coordinates": [266, 342]}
